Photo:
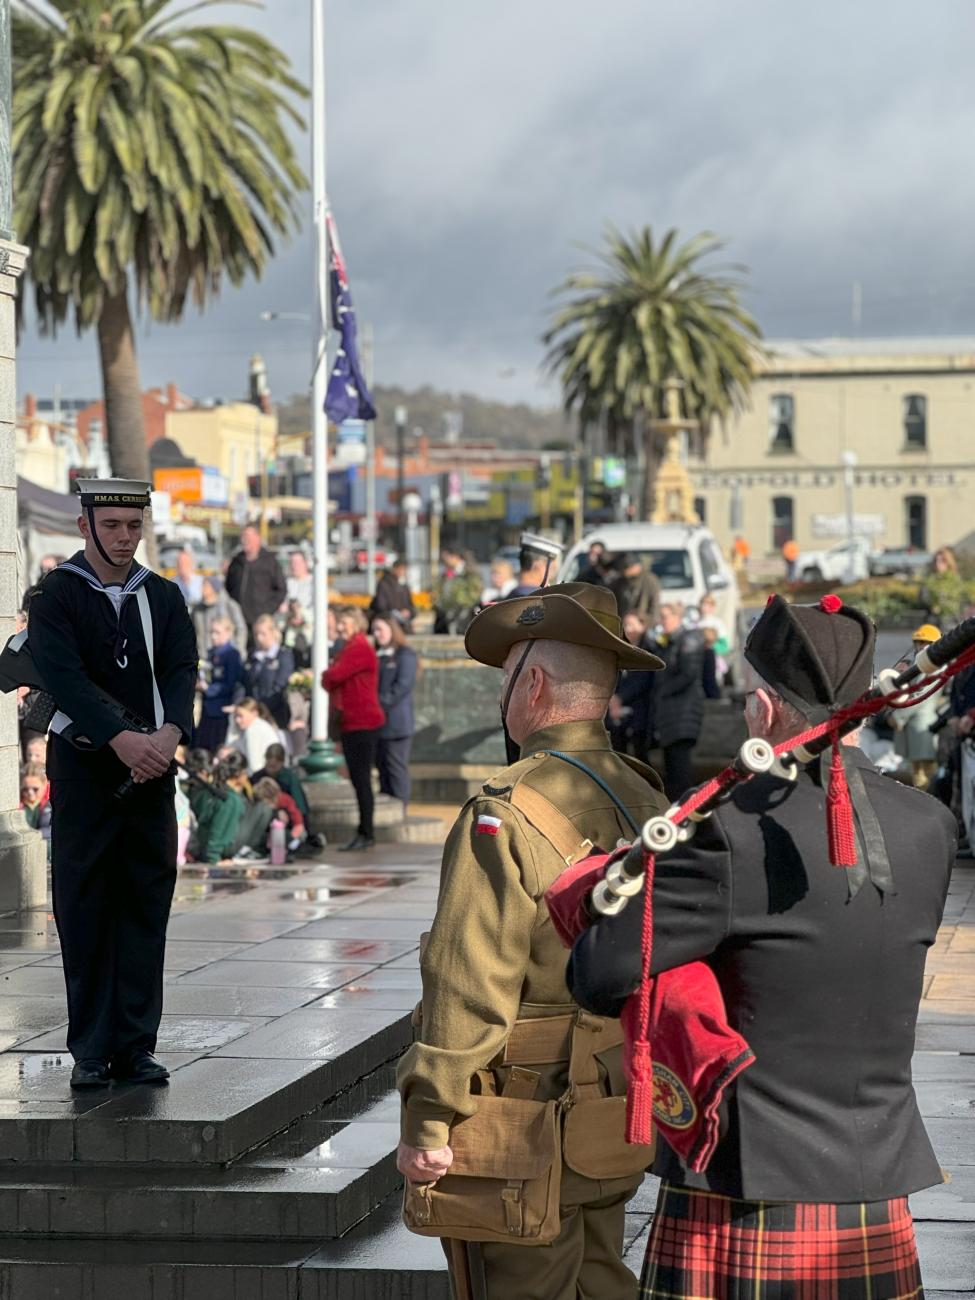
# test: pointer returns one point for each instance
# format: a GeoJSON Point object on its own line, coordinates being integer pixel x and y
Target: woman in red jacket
{"type": "Point", "coordinates": [353, 684]}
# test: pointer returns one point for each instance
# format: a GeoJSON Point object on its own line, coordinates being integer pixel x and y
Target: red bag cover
{"type": "Point", "coordinates": [696, 1053]}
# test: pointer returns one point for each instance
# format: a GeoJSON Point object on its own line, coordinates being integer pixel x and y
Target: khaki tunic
{"type": "Point", "coordinates": [493, 955]}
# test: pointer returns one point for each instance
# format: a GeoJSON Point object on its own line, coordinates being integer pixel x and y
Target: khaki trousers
{"type": "Point", "coordinates": [585, 1262]}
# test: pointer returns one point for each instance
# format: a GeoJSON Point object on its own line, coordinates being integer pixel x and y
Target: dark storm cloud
{"type": "Point", "coordinates": [470, 149]}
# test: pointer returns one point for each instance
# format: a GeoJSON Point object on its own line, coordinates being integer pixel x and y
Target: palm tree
{"type": "Point", "coordinates": [148, 156]}
{"type": "Point", "coordinates": [650, 317]}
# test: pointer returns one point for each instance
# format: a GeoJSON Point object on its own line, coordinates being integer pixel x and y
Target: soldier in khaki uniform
{"type": "Point", "coordinates": [496, 1018]}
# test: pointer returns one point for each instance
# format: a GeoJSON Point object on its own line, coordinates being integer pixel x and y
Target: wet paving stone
{"type": "Point", "coordinates": [314, 1035]}
{"type": "Point", "coordinates": [945, 1038]}
{"type": "Point", "coordinates": [209, 925]}
{"type": "Point", "coordinates": [316, 1144]}
{"type": "Point", "coordinates": [947, 1100]}
{"type": "Point", "coordinates": [211, 1113]}
{"type": "Point", "coordinates": [364, 1000]}
{"type": "Point", "coordinates": [26, 1017]}
{"type": "Point", "coordinates": [10, 961]}
{"type": "Point", "coordinates": [367, 1252]}
{"type": "Point", "coordinates": [230, 1000]}
{"type": "Point", "coordinates": [177, 1033]}
{"type": "Point", "coordinates": [421, 911]}
{"type": "Point", "coordinates": [947, 1252]}
{"type": "Point", "coordinates": [367, 952]}
{"type": "Point", "coordinates": [954, 1200]}
{"type": "Point", "coordinates": [953, 1140]}
{"type": "Point", "coordinates": [277, 974]}
{"type": "Point", "coordinates": [385, 978]}
{"type": "Point", "coordinates": [352, 925]}
{"type": "Point", "coordinates": [42, 981]}
{"type": "Point", "coordinates": [373, 1099]}
{"type": "Point", "coordinates": [942, 1066]}
{"type": "Point", "coordinates": [260, 908]}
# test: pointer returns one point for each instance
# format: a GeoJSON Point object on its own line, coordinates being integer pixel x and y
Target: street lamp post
{"type": "Point", "coordinates": [400, 420]}
{"type": "Point", "coordinates": [321, 762]}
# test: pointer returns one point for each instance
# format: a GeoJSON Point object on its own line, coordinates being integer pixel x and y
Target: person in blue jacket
{"type": "Point", "coordinates": [398, 669]}
{"type": "Point", "coordinates": [219, 684]}
{"type": "Point", "coordinates": [268, 670]}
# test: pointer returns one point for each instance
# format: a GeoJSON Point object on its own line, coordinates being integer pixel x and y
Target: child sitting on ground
{"type": "Point", "coordinates": [221, 810]}
{"type": "Point", "coordinates": [279, 800]}
{"type": "Point", "coordinates": [286, 777]}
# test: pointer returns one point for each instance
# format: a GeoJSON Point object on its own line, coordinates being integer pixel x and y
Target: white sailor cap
{"type": "Point", "coordinates": [133, 493]}
{"type": "Point", "coordinates": [541, 545]}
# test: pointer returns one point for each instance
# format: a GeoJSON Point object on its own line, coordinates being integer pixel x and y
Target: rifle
{"type": "Point", "coordinates": [17, 668]}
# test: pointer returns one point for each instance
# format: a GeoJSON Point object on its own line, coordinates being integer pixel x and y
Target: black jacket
{"type": "Point", "coordinates": [257, 585]}
{"type": "Point", "coordinates": [266, 680]}
{"type": "Point", "coordinates": [397, 678]}
{"type": "Point", "coordinates": [678, 692]}
{"type": "Point", "coordinates": [392, 596]}
{"type": "Point", "coordinates": [823, 986]}
{"type": "Point", "coordinates": [77, 639]}
{"type": "Point", "coordinates": [635, 691]}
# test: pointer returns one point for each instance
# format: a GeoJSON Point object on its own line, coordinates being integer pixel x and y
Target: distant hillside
{"type": "Point", "coordinates": [433, 412]}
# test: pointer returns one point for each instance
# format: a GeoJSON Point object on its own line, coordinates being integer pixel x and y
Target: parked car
{"type": "Point", "coordinates": [900, 562]}
{"type": "Point", "coordinates": [686, 558]}
{"type": "Point", "coordinates": [845, 562]}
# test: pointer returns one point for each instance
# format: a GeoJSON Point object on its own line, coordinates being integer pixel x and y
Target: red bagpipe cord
{"type": "Point", "coordinates": [639, 1093]}
{"type": "Point", "coordinates": [842, 853]}
{"type": "Point", "coordinates": [839, 813]}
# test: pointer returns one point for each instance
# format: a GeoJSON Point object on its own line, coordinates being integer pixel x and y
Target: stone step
{"type": "Point", "coordinates": [413, 830]}
{"type": "Point", "coordinates": [215, 1108]}
{"type": "Point", "coordinates": [378, 1259]}
{"type": "Point", "coordinates": [311, 1183]}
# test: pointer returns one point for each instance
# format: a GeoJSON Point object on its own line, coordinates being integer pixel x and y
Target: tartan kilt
{"type": "Point", "coordinates": [708, 1247]}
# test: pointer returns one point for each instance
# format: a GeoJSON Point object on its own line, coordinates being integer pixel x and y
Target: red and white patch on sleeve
{"type": "Point", "coordinates": [487, 825]}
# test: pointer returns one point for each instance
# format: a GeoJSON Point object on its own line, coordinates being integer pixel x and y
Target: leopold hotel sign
{"type": "Point", "coordinates": [827, 478]}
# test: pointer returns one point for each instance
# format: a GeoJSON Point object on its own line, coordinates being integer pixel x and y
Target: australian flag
{"type": "Point", "coordinates": [347, 397]}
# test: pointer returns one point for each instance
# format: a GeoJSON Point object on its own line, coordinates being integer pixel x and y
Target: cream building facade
{"type": "Point", "coordinates": [896, 414]}
{"type": "Point", "coordinates": [236, 438]}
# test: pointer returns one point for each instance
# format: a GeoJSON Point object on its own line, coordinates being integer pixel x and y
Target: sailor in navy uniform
{"type": "Point", "coordinates": [102, 619]}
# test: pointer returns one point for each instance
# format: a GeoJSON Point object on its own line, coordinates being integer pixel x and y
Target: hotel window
{"type": "Point", "coordinates": [701, 508]}
{"type": "Point", "coordinates": [783, 525]}
{"type": "Point", "coordinates": [916, 522]}
{"type": "Point", "coordinates": [916, 421]}
{"type": "Point", "coordinates": [781, 422]}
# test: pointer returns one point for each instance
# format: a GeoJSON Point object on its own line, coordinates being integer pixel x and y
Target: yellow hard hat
{"type": "Point", "coordinates": [927, 632]}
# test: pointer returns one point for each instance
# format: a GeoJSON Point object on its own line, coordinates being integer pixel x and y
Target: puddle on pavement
{"type": "Point", "coordinates": [320, 894]}
{"type": "Point", "coordinates": [198, 891]}
{"type": "Point", "coordinates": [374, 879]}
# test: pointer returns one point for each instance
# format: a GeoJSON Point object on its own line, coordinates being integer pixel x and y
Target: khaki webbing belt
{"type": "Point", "coordinates": [549, 1039]}
{"type": "Point", "coordinates": [563, 836]}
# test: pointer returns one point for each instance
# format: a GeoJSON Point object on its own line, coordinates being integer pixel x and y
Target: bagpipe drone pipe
{"type": "Point", "coordinates": [17, 668]}
{"type": "Point", "coordinates": [682, 1010]}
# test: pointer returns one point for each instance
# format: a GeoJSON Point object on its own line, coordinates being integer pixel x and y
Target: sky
{"type": "Point", "coordinates": [476, 153]}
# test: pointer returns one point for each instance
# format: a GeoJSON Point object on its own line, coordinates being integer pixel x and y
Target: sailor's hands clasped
{"type": "Point", "coordinates": [146, 756]}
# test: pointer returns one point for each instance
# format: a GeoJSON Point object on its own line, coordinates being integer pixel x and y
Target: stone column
{"type": "Point", "coordinates": [23, 856]}
{"type": "Point", "coordinates": [6, 186]}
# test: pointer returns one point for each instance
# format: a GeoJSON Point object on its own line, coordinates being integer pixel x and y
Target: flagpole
{"type": "Point", "coordinates": [320, 762]}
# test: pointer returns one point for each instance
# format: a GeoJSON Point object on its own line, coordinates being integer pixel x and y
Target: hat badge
{"type": "Point", "coordinates": [531, 615]}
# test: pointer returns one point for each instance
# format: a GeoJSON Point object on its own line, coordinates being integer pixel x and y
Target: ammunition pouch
{"type": "Point", "coordinates": [505, 1180]}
